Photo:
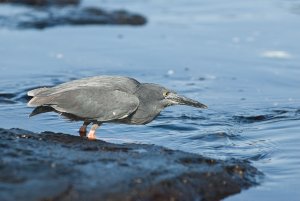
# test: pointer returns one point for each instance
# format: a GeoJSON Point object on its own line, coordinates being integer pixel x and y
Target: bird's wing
{"type": "Point", "coordinates": [94, 103]}
{"type": "Point", "coordinates": [114, 82]}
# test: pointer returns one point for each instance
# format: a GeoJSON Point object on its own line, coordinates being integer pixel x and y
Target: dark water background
{"type": "Point", "coordinates": [241, 58]}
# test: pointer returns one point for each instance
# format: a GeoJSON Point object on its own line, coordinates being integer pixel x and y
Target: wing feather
{"type": "Point", "coordinates": [93, 103]}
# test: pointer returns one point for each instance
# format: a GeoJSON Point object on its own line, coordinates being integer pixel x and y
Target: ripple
{"type": "Point", "coordinates": [278, 114]}
{"type": "Point", "coordinates": [252, 119]}
{"type": "Point", "coordinates": [175, 127]}
{"type": "Point", "coordinates": [216, 136]}
{"type": "Point", "coordinates": [260, 156]}
{"type": "Point", "coordinates": [7, 95]}
{"type": "Point", "coordinates": [6, 101]}
{"type": "Point", "coordinates": [6, 98]}
{"type": "Point", "coordinates": [181, 117]}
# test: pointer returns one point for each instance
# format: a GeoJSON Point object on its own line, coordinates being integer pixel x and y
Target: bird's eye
{"type": "Point", "coordinates": [166, 93]}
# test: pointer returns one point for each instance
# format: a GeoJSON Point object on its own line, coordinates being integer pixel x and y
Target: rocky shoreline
{"type": "Point", "coordinates": [56, 166]}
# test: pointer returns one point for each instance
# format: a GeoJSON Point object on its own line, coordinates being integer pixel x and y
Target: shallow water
{"type": "Point", "coordinates": [240, 58]}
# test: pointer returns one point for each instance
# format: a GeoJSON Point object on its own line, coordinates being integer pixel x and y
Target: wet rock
{"type": "Point", "coordinates": [42, 2]}
{"type": "Point", "coordinates": [56, 166]}
{"type": "Point", "coordinates": [42, 14]}
{"type": "Point", "coordinates": [51, 17]}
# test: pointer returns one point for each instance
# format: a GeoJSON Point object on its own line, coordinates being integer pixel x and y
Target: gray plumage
{"type": "Point", "coordinates": [106, 99]}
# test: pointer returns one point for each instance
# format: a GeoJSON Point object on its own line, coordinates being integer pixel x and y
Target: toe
{"type": "Point", "coordinates": [91, 136]}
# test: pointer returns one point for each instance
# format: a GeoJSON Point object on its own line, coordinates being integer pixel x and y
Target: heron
{"type": "Point", "coordinates": [101, 99]}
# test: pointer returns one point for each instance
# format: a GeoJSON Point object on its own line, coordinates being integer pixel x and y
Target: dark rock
{"type": "Point", "coordinates": [42, 2]}
{"type": "Point", "coordinates": [45, 17]}
{"type": "Point", "coordinates": [49, 17]}
{"type": "Point", "coordinates": [55, 166]}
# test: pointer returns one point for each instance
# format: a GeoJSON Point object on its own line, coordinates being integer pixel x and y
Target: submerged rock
{"type": "Point", "coordinates": [56, 166]}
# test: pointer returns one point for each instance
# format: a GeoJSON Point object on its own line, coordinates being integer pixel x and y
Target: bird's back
{"type": "Point", "coordinates": [121, 83]}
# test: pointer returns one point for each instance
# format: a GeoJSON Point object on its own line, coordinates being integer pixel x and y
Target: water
{"type": "Point", "coordinates": [241, 58]}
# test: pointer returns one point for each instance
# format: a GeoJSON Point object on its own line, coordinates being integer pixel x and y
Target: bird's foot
{"type": "Point", "coordinates": [82, 131]}
{"type": "Point", "coordinates": [92, 135]}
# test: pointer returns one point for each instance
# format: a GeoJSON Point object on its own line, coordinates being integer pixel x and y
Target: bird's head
{"type": "Point", "coordinates": [172, 98]}
{"type": "Point", "coordinates": [168, 97]}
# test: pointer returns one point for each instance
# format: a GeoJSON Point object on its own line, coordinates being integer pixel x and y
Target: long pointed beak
{"type": "Point", "coordinates": [181, 100]}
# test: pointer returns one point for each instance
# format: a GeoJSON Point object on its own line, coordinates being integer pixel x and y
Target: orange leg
{"type": "Point", "coordinates": [82, 130]}
{"type": "Point", "coordinates": [92, 133]}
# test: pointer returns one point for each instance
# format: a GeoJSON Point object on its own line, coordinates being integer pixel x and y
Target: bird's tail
{"type": "Point", "coordinates": [41, 109]}
{"type": "Point", "coordinates": [37, 91]}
